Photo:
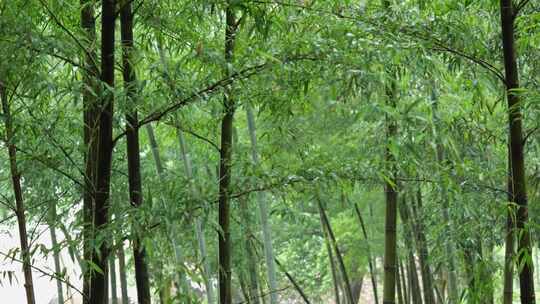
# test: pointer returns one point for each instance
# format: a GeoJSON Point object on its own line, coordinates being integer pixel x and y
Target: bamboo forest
{"type": "Point", "coordinates": [269, 151]}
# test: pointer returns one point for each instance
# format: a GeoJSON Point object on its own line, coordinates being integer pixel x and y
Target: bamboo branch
{"type": "Point", "coordinates": [293, 281]}
{"type": "Point", "coordinates": [68, 32]}
{"type": "Point", "coordinates": [529, 133]}
{"type": "Point", "coordinates": [520, 6]}
{"type": "Point", "coordinates": [406, 31]}
{"type": "Point", "coordinates": [210, 89]}
{"type": "Point", "coordinates": [43, 272]}
{"type": "Point", "coordinates": [196, 135]}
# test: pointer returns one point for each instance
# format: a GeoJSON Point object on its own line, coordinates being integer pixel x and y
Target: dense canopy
{"type": "Point", "coordinates": [265, 152]}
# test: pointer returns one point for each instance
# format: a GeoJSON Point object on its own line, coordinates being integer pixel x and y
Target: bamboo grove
{"type": "Point", "coordinates": [265, 152]}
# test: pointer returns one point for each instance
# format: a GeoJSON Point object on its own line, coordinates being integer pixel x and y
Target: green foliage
{"type": "Point", "coordinates": [321, 112]}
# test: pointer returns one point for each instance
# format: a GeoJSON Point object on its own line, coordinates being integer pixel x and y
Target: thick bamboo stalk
{"type": "Point", "coordinates": [18, 192]}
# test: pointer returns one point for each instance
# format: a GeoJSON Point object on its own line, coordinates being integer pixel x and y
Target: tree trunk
{"type": "Point", "coordinates": [423, 252]}
{"type": "Point", "coordinates": [261, 292]}
{"type": "Point", "coordinates": [329, 232]}
{"type": "Point", "coordinates": [370, 259]}
{"type": "Point", "coordinates": [293, 282]}
{"type": "Point", "coordinates": [17, 190]}
{"type": "Point", "coordinates": [453, 292]}
{"type": "Point", "coordinates": [56, 251]}
{"type": "Point", "coordinates": [69, 293]}
{"type": "Point", "coordinates": [123, 276]}
{"type": "Point", "coordinates": [469, 263]}
{"type": "Point", "coordinates": [243, 288]}
{"type": "Point", "coordinates": [263, 211]}
{"type": "Point", "coordinates": [165, 293]}
{"type": "Point", "coordinates": [112, 275]}
{"type": "Point", "coordinates": [357, 289]}
{"type": "Point", "coordinates": [390, 239]}
{"type": "Point", "coordinates": [401, 299]}
{"type": "Point", "coordinates": [207, 273]}
{"type": "Point", "coordinates": [403, 276]}
{"type": "Point", "coordinates": [133, 154]}
{"type": "Point", "coordinates": [508, 288]}
{"type": "Point", "coordinates": [391, 194]}
{"type": "Point", "coordinates": [487, 274]}
{"type": "Point", "coordinates": [390, 254]}
{"type": "Point", "coordinates": [252, 266]}
{"type": "Point", "coordinates": [409, 241]}
{"type": "Point", "coordinates": [182, 281]}
{"type": "Point", "coordinates": [537, 276]}
{"type": "Point", "coordinates": [225, 295]}
{"type": "Point", "coordinates": [519, 193]}
{"type": "Point", "coordinates": [439, 294]}
{"type": "Point", "coordinates": [98, 280]}
{"type": "Point", "coordinates": [414, 282]}
{"type": "Point", "coordinates": [155, 151]}
{"type": "Point", "coordinates": [253, 269]}
{"type": "Point", "coordinates": [201, 241]}
{"type": "Point", "coordinates": [90, 112]}
{"type": "Point", "coordinates": [335, 278]}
